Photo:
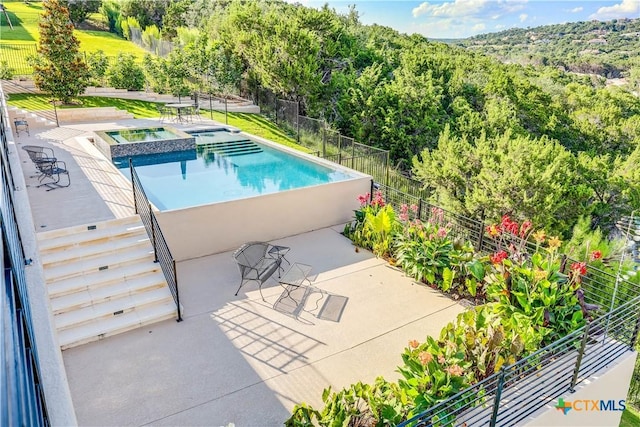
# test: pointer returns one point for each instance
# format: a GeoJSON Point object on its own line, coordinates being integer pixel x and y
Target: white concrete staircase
{"type": "Point", "coordinates": [102, 280]}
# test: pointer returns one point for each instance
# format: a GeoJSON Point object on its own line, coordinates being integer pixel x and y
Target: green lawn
{"type": "Point", "coordinates": [24, 18]}
{"type": "Point", "coordinates": [630, 418]}
{"type": "Point", "coordinates": [254, 124]}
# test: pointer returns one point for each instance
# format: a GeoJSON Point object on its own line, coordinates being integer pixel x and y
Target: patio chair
{"type": "Point", "coordinates": [165, 113]}
{"type": "Point", "coordinates": [20, 123]}
{"type": "Point", "coordinates": [40, 157]}
{"type": "Point", "coordinates": [53, 170]}
{"type": "Point", "coordinates": [255, 263]}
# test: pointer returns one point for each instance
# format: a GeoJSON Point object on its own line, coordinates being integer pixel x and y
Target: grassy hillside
{"type": "Point", "coordinates": [24, 18]}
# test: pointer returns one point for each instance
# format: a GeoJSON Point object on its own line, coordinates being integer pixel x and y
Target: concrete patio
{"type": "Point", "coordinates": [233, 359]}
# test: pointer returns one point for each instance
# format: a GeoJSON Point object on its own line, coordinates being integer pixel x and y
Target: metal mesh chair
{"type": "Point", "coordinates": [255, 264]}
{"type": "Point", "coordinates": [20, 123]}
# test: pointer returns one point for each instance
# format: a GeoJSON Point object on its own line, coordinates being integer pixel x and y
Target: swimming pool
{"type": "Point", "coordinates": [223, 167]}
{"type": "Point", "coordinates": [233, 188]}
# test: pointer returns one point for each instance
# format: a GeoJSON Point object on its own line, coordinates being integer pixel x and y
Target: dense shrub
{"type": "Point", "coordinates": [125, 73]}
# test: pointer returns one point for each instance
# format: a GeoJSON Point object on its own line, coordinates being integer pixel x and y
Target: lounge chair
{"type": "Point", "coordinates": [255, 263]}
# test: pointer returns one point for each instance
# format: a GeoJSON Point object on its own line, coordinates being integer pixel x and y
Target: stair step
{"type": "Point", "coordinates": [84, 267]}
{"type": "Point", "coordinates": [98, 249]}
{"type": "Point", "coordinates": [97, 295]}
{"type": "Point", "coordinates": [89, 237]}
{"type": "Point", "coordinates": [111, 308]}
{"type": "Point", "coordinates": [102, 278]}
{"type": "Point", "coordinates": [97, 330]}
{"type": "Point", "coordinates": [100, 225]}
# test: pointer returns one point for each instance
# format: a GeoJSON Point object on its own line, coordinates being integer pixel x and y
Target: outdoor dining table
{"type": "Point", "coordinates": [181, 115]}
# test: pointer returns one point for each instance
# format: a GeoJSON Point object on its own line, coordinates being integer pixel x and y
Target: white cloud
{"type": "Point", "coordinates": [499, 26]}
{"type": "Point", "coordinates": [626, 9]}
{"type": "Point", "coordinates": [462, 8]}
{"type": "Point", "coordinates": [523, 17]}
{"type": "Point", "coordinates": [478, 27]}
{"type": "Point", "coordinates": [576, 9]}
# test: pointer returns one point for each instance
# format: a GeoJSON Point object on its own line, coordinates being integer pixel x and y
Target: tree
{"type": "Point", "coordinates": [80, 9]}
{"type": "Point", "coordinates": [58, 68]}
{"type": "Point", "coordinates": [527, 178]}
{"type": "Point", "coordinates": [125, 73]}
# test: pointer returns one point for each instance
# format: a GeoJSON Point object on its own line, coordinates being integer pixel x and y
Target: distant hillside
{"type": "Point", "coordinates": [609, 49]}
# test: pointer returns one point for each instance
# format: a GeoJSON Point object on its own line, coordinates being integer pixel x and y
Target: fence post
{"type": "Point", "coordinates": [324, 141]}
{"type": "Point", "coordinates": [152, 217]}
{"type": "Point", "coordinates": [634, 336]}
{"type": "Point", "coordinates": [576, 370]}
{"type": "Point", "coordinates": [420, 209]}
{"type": "Point", "coordinates": [55, 112]}
{"type": "Point", "coordinates": [481, 233]}
{"type": "Point", "coordinates": [298, 121]}
{"type": "Point", "coordinates": [371, 191]}
{"type": "Point", "coordinates": [387, 177]}
{"type": "Point", "coordinates": [133, 186]}
{"type": "Point", "coordinates": [175, 282]}
{"type": "Point", "coordinates": [496, 401]}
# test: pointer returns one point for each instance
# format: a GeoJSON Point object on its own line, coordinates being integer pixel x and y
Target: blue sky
{"type": "Point", "coordinates": [464, 18]}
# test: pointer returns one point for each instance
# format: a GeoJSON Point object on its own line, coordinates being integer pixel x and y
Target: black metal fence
{"type": "Point", "coordinates": [15, 57]}
{"type": "Point", "coordinates": [23, 400]}
{"type": "Point", "coordinates": [161, 250]}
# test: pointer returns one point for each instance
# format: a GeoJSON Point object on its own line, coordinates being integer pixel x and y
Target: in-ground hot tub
{"type": "Point", "coordinates": [136, 141]}
{"type": "Point", "coordinates": [234, 188]}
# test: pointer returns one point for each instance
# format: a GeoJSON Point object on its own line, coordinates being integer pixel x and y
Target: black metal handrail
{"type": "Point", "coordinates": [24, 402]}
{"type": "Point", "coordinates": [161, 251]}
{"type": "Point", "coordinates": [526, 386]}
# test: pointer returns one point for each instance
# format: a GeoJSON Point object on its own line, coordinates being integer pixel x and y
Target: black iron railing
{"type": "Point", "coordinates": [519, 390]}
{"type": "Point", "coordinates": [20, 385]}
{"type": "Point", "coordinates": [162, 253]}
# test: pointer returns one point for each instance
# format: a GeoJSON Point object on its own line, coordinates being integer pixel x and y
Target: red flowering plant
{"type": "Point", "coordinates": [427, 252]}
{"type": "Point", "coordinates": [526, 279]}
{"type": "Point", "coordinates": [374, 226]}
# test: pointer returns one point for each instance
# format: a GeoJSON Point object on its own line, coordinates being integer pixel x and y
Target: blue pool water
{"type": "Point", "coordinates": [141, 135]}
{"type": "Point", "coordinates": [223, 167]}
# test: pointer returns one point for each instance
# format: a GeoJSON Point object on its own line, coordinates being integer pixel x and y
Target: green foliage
{"type": "Point", "coordinates": [127, 24]}
{"type": "Point", "coordinates": [375, 227]}
{"type": "Point", "coordinates": [58, 67]}
{"type": "Point", "coordinates": [125, 73]}
{"type": "Point", "coordinates": [508, 173]}
{"type": "Point", "coordinates": [110, 9]}
{"type": "Point", "coordinates": [380, 404]}
{"type": "Point", "coordinates": [150, 37]}
{"type": "Point", "coordinates": [79, 10]}
{"type": "Point", "coordinates": [97, 63]}
{"type": "Point", "coordinates": [534, 286]}
{"type": "Point", "coordinates": [6, 72]}
{"type": "Point", "coordinates": [147, 12]}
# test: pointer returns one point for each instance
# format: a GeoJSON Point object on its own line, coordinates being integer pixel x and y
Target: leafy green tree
{"type": "Point", "coordinates": [125, 73]}
{"type": "Point", "coordinates": [98, 63]}
{"type": "Point", "coordinates": [110, 9]}
{"type": "Point", "coordinates": [147, 12]}
{"type": "Point", "coordinates": [528, 178]}
{"type": "Point", "coordinates": [79, 10]}
{"type": "Point", "coordinates": [58, 68]}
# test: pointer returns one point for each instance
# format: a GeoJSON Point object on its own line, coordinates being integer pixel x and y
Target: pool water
{"type": "Point", "coordinates": [223, 167]}
{"type": "Point", "coordinates": [141, 135]}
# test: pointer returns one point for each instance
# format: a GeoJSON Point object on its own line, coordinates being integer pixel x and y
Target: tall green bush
{"type": "Point", "coordinates": [125, 73]}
